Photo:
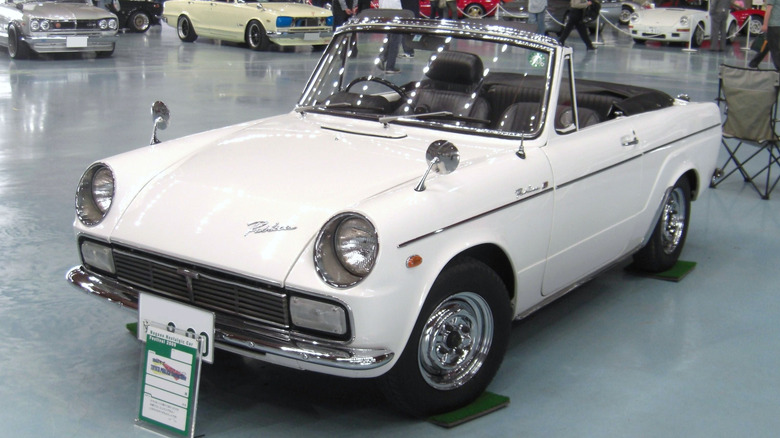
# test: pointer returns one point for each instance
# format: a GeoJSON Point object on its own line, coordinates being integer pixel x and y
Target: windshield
{"type": "Point", "coordinates": [441, 80]}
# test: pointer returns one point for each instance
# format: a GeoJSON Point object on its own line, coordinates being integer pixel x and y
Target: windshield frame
{"type": "Point", "coordinates": [491, 33]}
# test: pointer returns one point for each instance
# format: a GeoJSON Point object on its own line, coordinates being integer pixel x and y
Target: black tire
{"type": "Point", "coordinates": [139, 21]}
{"type": "Point", "coordinates": [698, 36]}
{"type": "Point", "coordinates": [106, 53]}
{"type": "Point", "coordinates": [666, 243]}
{"type": "Point", "coordinates": [639, 41]}
{"type": "Point", "coordinates": [17, 49]}
{"type": "Point", "coordinates": [255, 36]}
{"type": "Point", "coordinates": [471, 294]}
{"type": "Point", "coordinates": [185, 30]}
{"type": "Point", "coordinates": [318, 47]}
{"type": "Point", "coordinates": [732, 30]}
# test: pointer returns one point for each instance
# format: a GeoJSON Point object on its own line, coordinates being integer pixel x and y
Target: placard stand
{"type": "Point", "coordinates": [170, 378]}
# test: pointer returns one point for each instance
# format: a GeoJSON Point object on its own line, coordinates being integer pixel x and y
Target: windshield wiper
{"type": "Point", "coordinates": [303, 109]}
{"type": "Point", "coordinates": [441, 114]}
{"type": "Point", "coordinates": [388, 119]}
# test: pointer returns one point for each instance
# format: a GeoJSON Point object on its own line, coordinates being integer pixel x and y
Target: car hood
{"type": "Point", "coordinates": [251, 200]}
{"type": "Point", "coordinates": [663, 16]}
{"type": "Point", "coordinates": [65, 11]}
{"type": "Point", "coordinates": [289, 9]}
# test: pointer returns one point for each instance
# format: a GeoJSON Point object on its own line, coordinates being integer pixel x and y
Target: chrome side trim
{"type": "Point", "coordinates": [255, 345]}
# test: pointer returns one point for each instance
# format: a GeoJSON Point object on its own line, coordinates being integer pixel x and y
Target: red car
{"type": "Point", "coordinates": [468, 8]}
{"type": "Point", "coordinates": [756, 17]}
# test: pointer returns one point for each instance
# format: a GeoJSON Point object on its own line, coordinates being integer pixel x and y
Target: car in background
{"type": "Point", "coordinates": [258, 24]}
{"type": "Point", "coordinates": [395, 223]}
{"type": "Point", "coordinates": [689, 22]}
{"type": "Point", "coordinates": [137, 15]}
{"type": "Point", "coordinates": [28, 27]}
{"type": "Point", "coordinates": [756, 17]}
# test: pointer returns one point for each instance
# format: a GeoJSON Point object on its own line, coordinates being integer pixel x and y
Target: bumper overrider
{"type": "Point", "coordinates": [259, 343]}
{"type": "Point", "coordinates": [60, 43]}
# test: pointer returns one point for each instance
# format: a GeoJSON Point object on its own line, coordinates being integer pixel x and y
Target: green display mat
{"type": "Point", "coordinates": [483, 405]}
{"type": "Point", "coordinates": [676, 273]}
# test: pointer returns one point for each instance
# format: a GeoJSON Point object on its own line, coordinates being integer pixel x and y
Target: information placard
{"type": "Point", "coordinates": [169, 381]}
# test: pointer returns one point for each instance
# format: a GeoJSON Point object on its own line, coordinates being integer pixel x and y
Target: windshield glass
{"type": "Point", "coordinates": [437, 79]}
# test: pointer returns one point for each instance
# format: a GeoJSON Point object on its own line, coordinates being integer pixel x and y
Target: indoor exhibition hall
{"type": "Point", "coordinates": [333, 209]}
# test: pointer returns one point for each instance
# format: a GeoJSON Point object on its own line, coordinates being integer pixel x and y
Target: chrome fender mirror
{"type": "Point", "coordinates": [443, 157]}
{"type": "Point", "coordinates": [161, 116]}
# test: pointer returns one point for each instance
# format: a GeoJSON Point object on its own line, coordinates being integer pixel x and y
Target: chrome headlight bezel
{"type": "Point", "coordinates": [684, 21]}
{"type": "Point", "coordinates": [95, 194]}
{"type": "Point", "coordinates": [346, 250]}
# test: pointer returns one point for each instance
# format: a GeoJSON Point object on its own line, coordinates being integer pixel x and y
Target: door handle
{"type": "Point", "coordinates": [629, 140]}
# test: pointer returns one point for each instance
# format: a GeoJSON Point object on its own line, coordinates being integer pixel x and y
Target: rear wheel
{"type": "Point", "coordinates": [457, 344]}
{"type": "Point", "coordinates": [666, 243]}
{"type": "Point", "coordinates": [256, 37]}
{"type": "Point", "coordinates": [17, 49]}
{"type": "Point", "coordinates": [139, 21]}
{"type": "Point", "coordinates": [185, 30]}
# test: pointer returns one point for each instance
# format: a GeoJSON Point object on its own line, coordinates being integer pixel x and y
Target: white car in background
{"type": "Point", "coordinates": [688, 23]}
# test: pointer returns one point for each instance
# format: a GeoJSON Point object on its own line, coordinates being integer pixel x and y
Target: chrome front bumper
{"type": "Point", "coordinates": [59, 43]}
{"type": "Point", "coordinates": [256, 345]}
{"type": "Point", "coordinates": [300, 38]}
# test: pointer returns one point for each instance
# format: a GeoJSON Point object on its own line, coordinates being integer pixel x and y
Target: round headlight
{"type": "Point", "coordinates": [95, 194]}
{"type": "Point", "coordinates": [45, 25]}
{"type": "Point", "coordinates": [103, 24]}
{"type": "Point", "coordinates": [112, 24]}
{"type": "Point", "coordinates": [634, 17]}
{"type": "Point", "coordinates": [346, 250]}
{"type": "Point", "coordinates": [35, 25]}
{"type": "Point", "coordinates": [683, 21]}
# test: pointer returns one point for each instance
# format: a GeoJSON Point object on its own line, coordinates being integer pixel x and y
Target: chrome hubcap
{"type": "Point", "coordinates": [673, 221]}
{"type": "Point", "coordinates": [455, 340]}
{"type": "Point", "coordinates": [141, 22]}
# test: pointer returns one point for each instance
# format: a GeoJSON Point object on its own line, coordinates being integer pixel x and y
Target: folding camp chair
{"type": "Point", "coordinates": [749, 131]}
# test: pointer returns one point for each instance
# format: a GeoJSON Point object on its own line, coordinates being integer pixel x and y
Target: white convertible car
{"type": "Point", "coordinates": [400, 217]}
{"type": "Point", "coordinates": [258, 23]}
{"type": "Point", "coordinates": [689, 23]}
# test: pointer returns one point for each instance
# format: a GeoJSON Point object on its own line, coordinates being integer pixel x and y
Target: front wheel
{"type": "Point", "coordinates": [474, 11]}
{"type": "Point", "coordinates": [256, 37]}
{"type": "Point", "coordinates": [754, 25]}
{"type": "Point", "coordinates": [731, 33]}
{"type": "Point", "coordinates": [457, 344]}
{"type": "Point", "coordinates": [17, 49]}
{"type": "Point", "coordinates": [185, 30]}
{"type": "Point", "coordinates": [698, 36]}
{"type": "Point", "coordinates": [666, 243]}
{"type": "Point", "coordinates": [625, 15]}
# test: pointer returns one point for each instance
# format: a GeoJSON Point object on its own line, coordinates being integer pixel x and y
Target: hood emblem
{"type": "Point", "coordinates": [266, 227]}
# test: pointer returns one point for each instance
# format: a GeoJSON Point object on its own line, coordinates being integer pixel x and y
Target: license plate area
{"type": "Point", "coordinates": [75, 42]}
{"type": "Point", "coordinates": [169, 313]}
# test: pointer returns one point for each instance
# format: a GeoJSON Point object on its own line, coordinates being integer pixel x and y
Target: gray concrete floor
{"type": "Point", "coordinates": [623, 356]}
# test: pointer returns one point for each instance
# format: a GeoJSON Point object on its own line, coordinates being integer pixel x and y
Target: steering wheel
{"type": "Point", "coordinates": [378, 80]}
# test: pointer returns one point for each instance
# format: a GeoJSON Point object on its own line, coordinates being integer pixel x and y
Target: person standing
{"type": "Point", "coordinates": [414, 6]}
{"type": "Point", "coordinates": [719, 14]}
{"type": "Point", "coordinates": [452, 10]}
{"type": "Point", "coordinates": [343, 10]}
{"type": "Point", "coordinates": [537, 9]}
{"type": "Point", "coordinates": [576, 14]}
{"type": "Point", "coordinates": [387, 58]}
{"type": "Point", "coordinates": [771, 31]}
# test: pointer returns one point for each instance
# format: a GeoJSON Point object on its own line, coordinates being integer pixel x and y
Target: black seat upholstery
{"type": "Point", "coordinates": [525, 117]}
{"type": "Point", "coordinates": [452, 82]}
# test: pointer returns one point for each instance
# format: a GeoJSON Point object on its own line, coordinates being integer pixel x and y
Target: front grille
{"type": "Point", "coordinates": [222, 293]}
{"type": "Point", "coordinates": [307, 22]}
{"type": "Point", "coordinates": [73, 24]}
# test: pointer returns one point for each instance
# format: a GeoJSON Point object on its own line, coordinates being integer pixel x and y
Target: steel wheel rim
{"type": "Point", "coordinates": [755, 26]}
{"type": "Point", "coordinates": [184, 28]}
{"type": "Point", "coordinates": [673, 221]}
{"type": "Point", "coordinates": [141, 22]}
{"type": "Point", "coordinates": [254, 35]}
{"type": "Point", "coordinates": [455, 341]}
{"type": "Point", "coordinates": [474, 11]}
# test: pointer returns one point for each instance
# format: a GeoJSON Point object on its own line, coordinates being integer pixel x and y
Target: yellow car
{"type": "Point", "coordinates": [256, 23]}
